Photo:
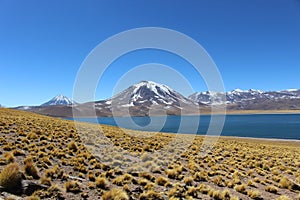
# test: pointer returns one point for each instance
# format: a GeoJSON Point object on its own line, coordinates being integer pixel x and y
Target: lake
{"type": "Point", "coordinates": [280, 126]}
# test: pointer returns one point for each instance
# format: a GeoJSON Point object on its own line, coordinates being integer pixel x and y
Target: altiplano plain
{"type": "Point", "coordinates": [50, 158]}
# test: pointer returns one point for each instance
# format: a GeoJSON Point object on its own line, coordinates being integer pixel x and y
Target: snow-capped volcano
{"type": "Point", "coordinates": [150, 93]}
{"type": "Point", "coordinates": [59, 100]}
{"type": "Point", "coordinates": [145, 95]}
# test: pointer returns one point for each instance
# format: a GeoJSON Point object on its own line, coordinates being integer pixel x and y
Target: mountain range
{"type": "Point", "coordinates": [148, 97]}
{"type": "Point", "coordinates": [252, 99]}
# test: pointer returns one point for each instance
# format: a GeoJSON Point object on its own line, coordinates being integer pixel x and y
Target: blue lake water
{"type": "Point", "coordinates": [281, 126]}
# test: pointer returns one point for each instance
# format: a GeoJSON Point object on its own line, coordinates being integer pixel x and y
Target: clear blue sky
{"type": "Point", "coordinates": [255, 44]}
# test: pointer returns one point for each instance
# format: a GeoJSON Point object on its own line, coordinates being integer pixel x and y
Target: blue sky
{"type": "Point", "coordinates": [255, 44]}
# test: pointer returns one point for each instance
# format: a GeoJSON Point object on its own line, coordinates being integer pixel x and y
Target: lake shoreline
{"type": "Point", "coordinates": [205, 112]}
{"type": "Point", "coordinates": [252, 112]}
{"type": "Point", "coordinates": [203, 135]}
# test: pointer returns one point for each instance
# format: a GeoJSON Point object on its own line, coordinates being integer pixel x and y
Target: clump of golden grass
{"type": "Point", "coordinates": [283, 197]}
{"type": "Point", "coordinates": [256, 179]}
{"type": "Point", "coordinates": [254, 194]}
{"type": "Point", "coordinates": [192, 191]}
{"type": "Point", "coordinates": [91, 185]}
{"type": "Point", "coordinates": [122, 180]}
{"type": "Point", "coordinates": [215, 194]}
{"type": "Point", "coordinates": [188, 180]}
{"type": "Point", "coordinates": [18, 152]}
{"type": "Point", "coordinates": [219, 181]}
{"type": "Point", "coordinates": [172, 173]}
{"type": "Point", "coordinates": [73, 186]}
{"type": "Point", "coordinates": [9, 157]}
{"type": "Point", "coordinates": [143, 182]}
{"type": "Point", "coordinates": [10, 177]}
{"type": "Point", "coordinates": [285, 183]}
{"type": "Point", "coordinates": [55, 192]}
{"type": "Point", "coordinates": [200, 176]}
{"type": "Point", "coordinates": [73, 146]}
{"type": "Point", "coordinates": [271, 188]}
{"type": "Point", "coordinates": [225, 194]}
{"type": "Point", "coordinates": [150, 186]}
{"type": "Point", "coordinates": [234, 198]}
{"type": "Point", "coordinates": [241, 188]}
{"type": "Point", "coordinates": [91, 176]}
{"type": "Point", "coordinates": [45, 180]}
{"type": "Point", "coordinates": [251, 183]}
{"type": "Point", "coordinates": [160, 180]}
{"type": "Point", "coordinates": [147, 176]}
{"type": "Point", "coordinates": [115, 194]}
{"type": "Point", "coordinates": [204, 189]}
{"type": "Point", "coordinates": [32, 136]}
{"type": "Point", "coordinates": [176, 191]}
{"type": "Point", "coordinates": [101, 182]}
{"type": "Point", "coordinates": [150, 195]}
{"type": "Point", "coordinates": [31, 169]}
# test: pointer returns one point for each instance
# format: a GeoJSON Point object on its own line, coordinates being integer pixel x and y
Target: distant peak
{"type": "Point", "coordinates": [238, 90]}
{"type": "Point", "coordinates": [60, 96]}
{"type": "Point", "coordinates": [59, 100]}
{"type": "Point", "coordinates": [148, 82]}
{"type": "Point", "coordinates": [292, 90]}
{"type": "Point", "coordinates": [144, 81]}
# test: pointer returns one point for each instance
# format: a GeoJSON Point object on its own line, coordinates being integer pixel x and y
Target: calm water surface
{"type": "Point", "coordinates": [281, 126]}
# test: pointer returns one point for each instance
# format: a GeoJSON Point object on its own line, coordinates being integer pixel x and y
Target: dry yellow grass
{"type": "Point", "coordinates": [101, 182]}
{"type": "Point", "coordinates": [115, 194]}
{"type": "Point", "coordinates": [81, 163]}
{"type": "Point", "coordinates": [31, 170]}
{"type": "Point", "coordinates": [72, 186]}
{"type": "Point", "coordinates": [10, 178]}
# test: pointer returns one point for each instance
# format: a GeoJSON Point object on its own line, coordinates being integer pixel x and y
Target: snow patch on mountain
{"type": "Point", "coordinates": [148, 94]}
{"type": "Point", "coordinates": [240, 96]}
{"type": "Point", "coordinates": [59, 100]}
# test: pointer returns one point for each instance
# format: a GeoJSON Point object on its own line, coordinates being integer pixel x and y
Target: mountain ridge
{"type": "Point", "coordinates": [239, 96]}
{"type": "Point", "coordinates": [150, 98]}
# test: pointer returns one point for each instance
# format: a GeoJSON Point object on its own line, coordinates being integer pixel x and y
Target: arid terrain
{"type": "Point", "coordinates": [50, 158]}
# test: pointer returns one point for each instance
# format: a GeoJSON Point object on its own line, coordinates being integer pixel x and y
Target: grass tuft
{"type": "Point", "coordinates": [283, 197]}
{"type": "Point", "coordinates": [160, 180]}
{"type": "Point", "coordinates": [73, 186]}
{"type": "Point", "coordinates": [271, 189]}
{"type": "Point", "coordinates": [241, 188]}
{"type": "Point", "coordinates": [10, 177]}
{"type": "Point", "coordinates": [101, 182]}
{"type": "Point", "coordinates": [285, 183]}
{"type": "Point", "coordinates": [254, 194]}
{"type": "Point", "coordinates": [31, 170]}
{"type": "Point", "coordinates": [115, 194]}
